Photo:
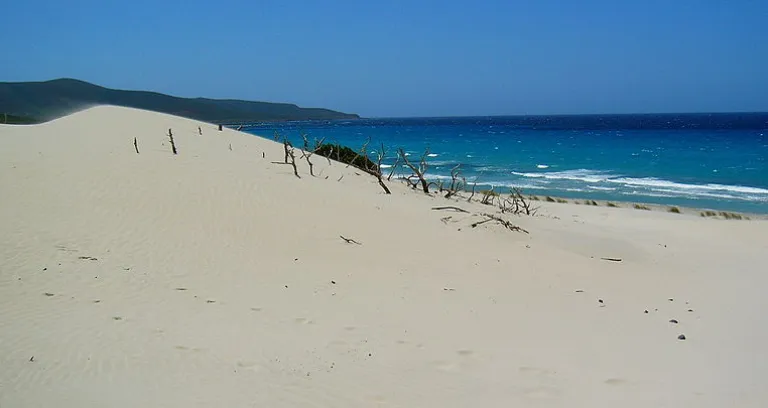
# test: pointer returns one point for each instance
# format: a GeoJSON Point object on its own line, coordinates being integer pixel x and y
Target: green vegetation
{"type": "Point", "coordinates": [7, 119]}
{"type": "Point", "coordinates": [612, 205]}
{"type": "Point", "coordinates": [674, 210]}
{"type": "Point", "coordinates": [346, 155]}
{"type": "Point", "coordinates": [534, 198]}
{"type": "Point", "coordinates": [591, 202]}
{"type": "Point", "coordinates": [708, 214]}
{"type": "Point", "coordinates": [561, 201]}
{"type": "Point", "coordinates": [642, 207]}
{"type": "Point", "coordinates": [51, 99]}
{"type": "Point", "coordinates": [731, 216]}
{"type": "Point", "coordinates": [549, 199]}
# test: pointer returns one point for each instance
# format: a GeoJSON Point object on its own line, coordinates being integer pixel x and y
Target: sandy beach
{"type": "Point", "coordinates": [216, 278]}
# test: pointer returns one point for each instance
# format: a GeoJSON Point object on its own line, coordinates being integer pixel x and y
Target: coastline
{"type": "Point", "coordinates": [130, 276]}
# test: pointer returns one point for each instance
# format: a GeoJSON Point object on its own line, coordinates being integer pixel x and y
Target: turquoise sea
{"type": "Point", "coordinates": [716, 161]}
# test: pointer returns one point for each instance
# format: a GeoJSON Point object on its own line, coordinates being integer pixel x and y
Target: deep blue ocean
{"type": "Point", "coordinates": [714, 161]}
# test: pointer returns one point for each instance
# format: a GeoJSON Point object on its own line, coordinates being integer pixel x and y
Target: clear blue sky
{"type": "Point", "coordinates": [406, 58]}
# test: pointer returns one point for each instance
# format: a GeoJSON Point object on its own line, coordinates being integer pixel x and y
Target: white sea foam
{"type": "Point", "coordinates": [433, 155]}
{"type": "Point", "coordinates": [385, 166]}
{"type": "Point", "coordinates": [542, 166]}
{"type": "Point", "coordinates": [590, 176]}
{"type": "Point", "coordinates": [649, 185]}
{"type": "Point", "coordinates": [659, 183]}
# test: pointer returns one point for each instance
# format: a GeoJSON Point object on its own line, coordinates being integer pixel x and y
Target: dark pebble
{"type": "Point", "coordinates": [690, 310]}
{"type": "Point", "coordinates": [646, 312]}
{"type": "Point", "coordinates": [579, 291]}
{"type": "Point", "coordinates": [681, 337]}
{"type": "Point", "coordinates": [333, 282]}
{"type": "Point", "coordinates": [673, 321]}
{"type": "Point", "coordinates": [45, 269]}
{"type": "Point", "coordinates": [671, 300]}
{"type": "Point", "coordinates": [600, 300]}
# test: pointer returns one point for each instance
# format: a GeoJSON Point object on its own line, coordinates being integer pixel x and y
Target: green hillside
{"type": "Point", "coordinates": [51, 99]}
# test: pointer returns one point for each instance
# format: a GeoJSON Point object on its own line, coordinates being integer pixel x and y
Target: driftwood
{"type": "Point", "coordinates": [418, 171]}
{"type": "Point", "coordinates": [173, 144]}
{"type": "Point", "coordinates": [517, 204]}
{"type": "Point", "coordinates": [306, 152]}
{"type": "Point", "coordinates": [474, 185]}
{"type": "Point", "coordinates": [380, 156]}
{"type": "Point", "coordinates": [350, 240]}
{"type": "Point", "coordinates": [394, 167]}
{"type": "Point", "coordinates": [290, 157]}
{"type": "Point", "coordinates": [450, 208]}
{"type": "Point", "coordinates": [506, 224]}
{"type": "Point", "coordinates": [456, 184]}
{"type": "Point", "coordinates": [136, 145]}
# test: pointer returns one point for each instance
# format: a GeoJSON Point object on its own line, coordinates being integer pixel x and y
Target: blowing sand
{"type": "Point", "coordinates": [215, 278]}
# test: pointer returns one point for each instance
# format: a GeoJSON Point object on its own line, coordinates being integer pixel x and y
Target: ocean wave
{"type": "Point", "coordinates": [433, 155]}
{"type": "Point", "coordinates": [542, 166]}
{"type": "Point", "coordinates": [659, 183]}
{"type": "Point", "coordinates": [606, 181]}
{"type": "Point", "coordinates": [589, 176]}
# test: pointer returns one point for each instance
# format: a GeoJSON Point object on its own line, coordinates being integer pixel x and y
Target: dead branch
{"type": "Point", "coordinates": [173, 144]}
{"type": "Point", "coordinates": [363, 152]}
{"type": "Point", "coordinates": [611, 259]}
{"type": "Point", "coordinates": [450, 208]}
{"type": "Point", "coordinates": [380, 156]}
{"type": "Point", "coordinates": [350, 241]}
{"type": "Point", "coordinates": [518, 204]}
{"type": "Point", "coordinates": [394, 167]}
{"type": "Point", "coordinates": [306, 152]}
{"type": "Point", "coordinates": [474, 185]}
{"type": "Point", "coordinates": [417, 171]}
{"type": "Point", "coordinates": [290, 154]}
{"type": "Point", "coordinates": [446, 219]}
{"type": "Point", "coordinates": [506, 224]}
{"type": "Point", "coordinates": [136, 145]}
{"type": "Point", "coordinates": [489, 196]}
{"type": "Point", "coordinates": [456, 185]}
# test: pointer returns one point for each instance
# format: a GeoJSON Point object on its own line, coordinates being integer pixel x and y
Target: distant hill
{"type": "Point", "coordinates": [48, 100]}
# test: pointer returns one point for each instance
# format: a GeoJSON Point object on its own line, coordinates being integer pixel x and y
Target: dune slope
{"type": "Point", "coordinates": [216, 278]}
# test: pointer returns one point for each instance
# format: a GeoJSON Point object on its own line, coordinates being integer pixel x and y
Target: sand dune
{"type": "Point", "coordinates": [216, 278]}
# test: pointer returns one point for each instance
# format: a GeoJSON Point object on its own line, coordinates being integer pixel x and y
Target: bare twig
{"type": "Point", "coordinates": [380, 156]}
{"type": "Point", "coordinates": [456, 185]}
{"type": "Point", "coordinates": [394, 167]}
{"type": "Point", "coordinates": [611, 259]}
{"type": "Point", "coordinates": [350, 241]}
{"type": "Point", "coordinates": [450, 208]}
{"type": "Point", "coordinates": [306, 152]}
{"type": "Point", "coordinates": [136, 145]}
{"type": "Point", "coordinates": [417, 171]}
{"type": "Point", "coordinates": [506, 224]}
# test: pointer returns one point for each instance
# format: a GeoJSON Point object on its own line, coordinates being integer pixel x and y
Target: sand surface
{"type": "Point", "coordinates": [215, 278]}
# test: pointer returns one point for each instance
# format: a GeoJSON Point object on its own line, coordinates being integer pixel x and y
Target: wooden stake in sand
{"type": "Point", "coordinates": [173, 145]}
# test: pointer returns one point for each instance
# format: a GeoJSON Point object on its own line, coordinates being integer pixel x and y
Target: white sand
{"type": "Point", "coordinates": [422, 314]}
